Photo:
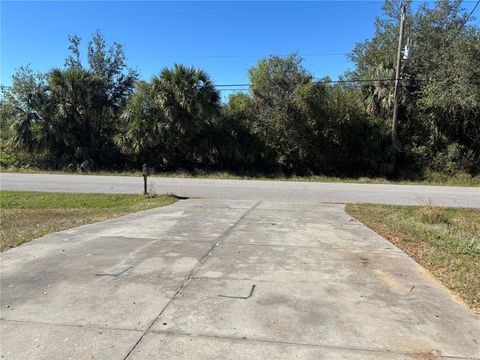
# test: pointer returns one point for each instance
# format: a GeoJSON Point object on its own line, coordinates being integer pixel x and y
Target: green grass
{"type": "Point", "coordinates": [430, 178]}
{"type": "Point", "coordinates": [27, 215]}
{"type": "Point", "coordinates": [443, 240]}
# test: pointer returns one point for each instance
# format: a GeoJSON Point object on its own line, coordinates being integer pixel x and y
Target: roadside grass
{"type": "Point", "coordinates": [445, 241]}
{"type": "Point", "coordinates": [429, 178]}
{"type": "Point", "coordinates": [28, 215]}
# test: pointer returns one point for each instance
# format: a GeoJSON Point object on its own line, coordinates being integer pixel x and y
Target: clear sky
{"type": "Point", "coordinates": [224, 38]}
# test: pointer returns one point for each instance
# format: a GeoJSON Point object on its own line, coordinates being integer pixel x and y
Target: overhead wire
{"type": "Point", "coordinates": [352, 3]}
{"type": "Point", "coordinates": [465, 21]}
{"type": "Point", "coordinates": [327, 82]}
{"type": "Point", "coordinates": [231, 56]}
{"type": "Point", "coordinates": [244, 86]}
{"type": "Point", "coordinates": [241, 87]}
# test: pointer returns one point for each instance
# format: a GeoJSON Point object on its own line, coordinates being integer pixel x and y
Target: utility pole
{"type": "Point", "coordinates": [396, 94]}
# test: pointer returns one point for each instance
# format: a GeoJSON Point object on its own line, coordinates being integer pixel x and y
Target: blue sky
{"type": "Point", "coordinates": [224, 38]}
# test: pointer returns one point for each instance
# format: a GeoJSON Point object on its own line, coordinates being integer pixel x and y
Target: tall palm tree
{"type": "Point", "coordinates": [187, 95]}
{"type": "Point", "coordinates": [189, 101]}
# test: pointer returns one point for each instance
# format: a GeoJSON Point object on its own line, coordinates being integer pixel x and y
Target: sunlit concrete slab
{"type": "Point", "coordinates": [30, 341]}
{"type": "Point", "coordinates": [383, 316]}
{"type": "Point", "coordinates": [302, 264]}
{"type": "Point", "coordinates": [330, 228]}
{"type": "Point", "coordinates": [183, 221]}
{"type": "Point", "coordinates": [115, 273]}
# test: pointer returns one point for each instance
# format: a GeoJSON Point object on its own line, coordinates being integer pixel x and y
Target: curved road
{"type": "Point", "coordinates": [250, 189]}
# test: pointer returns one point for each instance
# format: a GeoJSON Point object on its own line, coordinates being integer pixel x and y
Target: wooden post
{"type": "Point", "coordinates": [145, 174]}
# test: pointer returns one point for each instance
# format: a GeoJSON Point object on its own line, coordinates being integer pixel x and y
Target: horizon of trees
{"type": "Point", "coordinates": [100, 115]}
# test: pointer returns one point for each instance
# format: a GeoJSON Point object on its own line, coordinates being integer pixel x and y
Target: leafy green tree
{"type": "Point", "coordinates": [274, 79]}
{"type": "Point", "coordinates": [440, 89]}
{"type": "Point", "coordinates": [237, 145]}
{"type": "Point", "coordinates": [293, 116]}
{"type": "Point", "coordinates": [450, 100]}
{"type": "Point", "coordinates": [109, 64]}
{"type": "Point", "coordinates": [315, 127]}
{"type": "Point", "coordinates": [273, 83]}
{"type": "Point", "coordinates": [361, 142]}
{"type": "Point", "coordinates": [72, 114]}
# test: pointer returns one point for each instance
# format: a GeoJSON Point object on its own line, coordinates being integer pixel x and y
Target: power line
{"type": "Point", "coordinates": [245, 86]}
{"type": "Point", "coordinates": [234, 89]}
{"type": "Point", "coordinates": [441, 49]}
{"type": "Point", "coordinates": [353, 3]}
{"type": "Point", "coordinates": [354, 81]}
{"type": "Point", "coordinates": [232, 85]}
{"type": "Point", "coordinates": [231, 56]}
{"type": "Point", "coordinates": [326, 82]}
{"type": "Point", "coordinates": [465, 21]}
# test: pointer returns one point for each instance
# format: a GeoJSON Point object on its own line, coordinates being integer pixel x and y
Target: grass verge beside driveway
{"type": "Point", "coordinates": [445, 241]}
{"type": "Point", "coordinates": [28, 215]}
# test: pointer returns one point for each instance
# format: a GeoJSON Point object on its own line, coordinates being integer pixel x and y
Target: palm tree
{"type": "Point", "coordinates": [380, 93]}
{"type": "Point", "coordinates": [144, 126]}
{"type": "Point", "coordinates": [28, 102]}
{"type": "Point", "coordinates": [189, 101]}
{"type": "Point", "coordinates": [186, 95]}
{"type": "Point", "coordinates": [76, 129]}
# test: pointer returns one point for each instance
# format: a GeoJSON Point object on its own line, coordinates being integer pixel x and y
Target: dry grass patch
{"type": "Point", "coordinates": [28, 215]}
{"type": "Point", "coordinates": [445, 241]}
{"type": "Point", "coordinates": [433, 214]}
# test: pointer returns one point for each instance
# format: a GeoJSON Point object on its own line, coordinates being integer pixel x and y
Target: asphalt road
{"type": "Point", "coordinates": [250, 189]}
{"type": "Point", "coordinates": [227, 279]}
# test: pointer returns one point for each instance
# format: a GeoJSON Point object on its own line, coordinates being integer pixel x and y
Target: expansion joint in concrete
{"type": "Point", "coordinates": [292, 343]}
{"type": "Point", "coordinates": [222, 237]}
{"type": "Point", "coordinates": [81, 326]}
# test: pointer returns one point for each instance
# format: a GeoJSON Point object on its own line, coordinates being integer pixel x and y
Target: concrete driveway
{"type": "Point", "coordinates": [452, 196]}
{"type": "Point", "coordinates": [211, 279]}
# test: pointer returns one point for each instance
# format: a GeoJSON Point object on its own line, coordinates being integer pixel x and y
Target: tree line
{"type": "Point", "coordinates": [100, 115]}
